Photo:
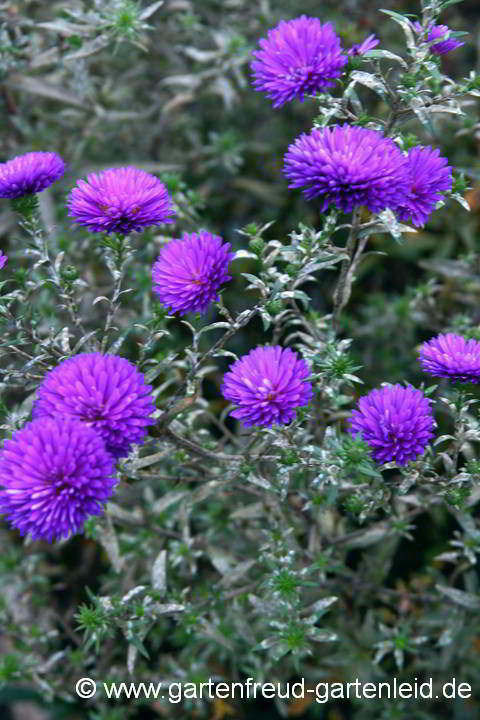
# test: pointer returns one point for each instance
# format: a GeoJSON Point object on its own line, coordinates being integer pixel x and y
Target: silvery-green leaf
{"type": "Point", "coordinates": [422, 113]}
{"type": "Point", "coordinates": [259, 481]}
{"type": "Point", "coordinates": [167, 608]}
{"type": "Point", "coordinates": [266, 319]}
{"type": "Point", "coordinates": [213, 326]}
{"type": "Point", "coordinates": [100, 298]}
{"type": "Point", "coordinates": [240, 254]}
{"type": "Point", "coordinates": [383, 648]}
{"type": "Point", "coordinates": [159, 572]}
{"type": "Point", "coordinates": [132, 654]}
{"type": "Point", "coordinates": [108, 539]}
{"type": "Point", "coordinates": [296, 295]}
{"type": "Point", "coordinates": [255, 281]}
{"type": "Point", "coordinates": [460, 199]}
{"type": "Point", "coordinates": [447, 557]}
{"type": "Point", "coordinates": [442, 438]}
{"type": "Point", "coordinates": [320, 607]}
{"type": "Point", "coordinates": [368, 537]}
{"type": "Point", "coordinates": [468, 600]}
{"type": "Point", "coordinates": [405, 25]}
{"type": "Point", "coordinates": [91, 47]}
{"type": "Point", "coordinates": [371, 81]}
{"type": "Point", "coordinates": [145, 14]}
{"type": "Point", "coordinates": [225, 353]}
{"type": "Point", "coordinates": [221, 559]}
{"type": "Point", "coordinates": [204, 491]}
{"type": "Point", "coordinates": [377, 54]}
{"type": "Point", "coordinates": [233, 575]}
{"type": "Point", "coordinates": [247, 512]}
{"type": "Point", "coordinates": [452, 109]}
{"type": "Point", "coordinates": [67, 29]}
{"type": "Point", "coordinates": [137, 590]}
{"type": "Point", "coordinates": [319, 635]}
{"type": "Point", "coordinates": [165, 501]}
{"type": "Point", "coordinates": [65, 341]}
{"type": "Point", "coordinates": [51, 662]}
{"type": "Point", "coordinates": [82, 341]}
{"type": "Point", "coordinates": [201, 55]}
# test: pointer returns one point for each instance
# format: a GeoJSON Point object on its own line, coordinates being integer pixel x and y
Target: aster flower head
{"type": "Point", "coordinates": [54, 473]}
{"type": "Point", "coordinates": [189, 272]}
{"type": "Point", "coordinates": [268, 385]}
{"type": "Point", "coordinates": [298, 58]}
{"type": "Point", "coordinates": [438, 32]}
{"type": "Point", "coordinates": [120, 200]}
{"type": "Point", "coordinates": [30, 173]}
{"type": "Point", "coordinates": [430, 175]}
{"type": "Point", "coordinates": [395, 421]}
{"type": "Point", "coordinates": [451, 356]}
{"type": "Point", "coordinates": [348, 166]}
{"type": "Point", "coordinates": [3, 259]}
{"type": "Point", "coordinates": [361, 48]}
{"type": "Point", "coordinates": [106, 392]}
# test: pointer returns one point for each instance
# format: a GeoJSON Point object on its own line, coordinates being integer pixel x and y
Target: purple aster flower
{"type": "Point", "coordinates": [54, 473]}
{"type": "Point", "coordinates": [452, 356]}
{"type": "Point", "coordinates": [348, 166]}
{"type": "Point", "coordinates": [438, 32]}
{"type": "Point", "coordinates": [430, 175]}
{"type": "Point", "coordinates": [30, 173]}
{"type": "Point", "coordinates": [107, 392]}
{"type": "Point", "coordinates": [368, 44]}
{"type": "Point", "coordinates": [120, 200]}
{"type": "Point", "coordinates": [189, 272]}
{"type": "Point", "coordinates": [3, 259]}
{"type": "Point", "coordinates": [396, 422]}
{"type": "Point", "coordinates": [299, 57]}
{"type": "Point", "coordinates": [268, 385]}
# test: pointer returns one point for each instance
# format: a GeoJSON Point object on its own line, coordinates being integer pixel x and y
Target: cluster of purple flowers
{"type": "Point", "coordinates": [397, 422]}
{"type": "Point", "coordinates": [350, 166]}
{"type": "Point", "coordinates": [60, 468]}
{"type": "Point", "coordinates": [439, 33]}
{"type": "Point", "coordinates": [346, 165]}
{"type": "Point", "coordinates": [452, 356]}
{"type": "Point", "coordinates": [91, 409]}
{"type": "Point", "coordinates": [301, 56]}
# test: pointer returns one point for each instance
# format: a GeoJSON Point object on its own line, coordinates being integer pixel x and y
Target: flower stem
{"type": "Point", "coordinates": [347, 269]}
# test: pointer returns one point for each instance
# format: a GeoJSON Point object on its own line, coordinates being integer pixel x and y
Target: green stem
{"type": "Point", "coordinates": [344, 285]}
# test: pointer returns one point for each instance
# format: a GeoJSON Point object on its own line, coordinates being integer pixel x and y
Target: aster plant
{"type": "Point", "coordinates": [120, 200]}
{"type": "Point", "coordinates": [268, 385]}
{"type": "Point", "coordinates": [395, 421]}
{"type": "Point", "coordinates": [54, 474]}
{"type": "Point", "coordinates": [429, 176]}
{"type": "Point", "coordinates": [348, 166]}
{"type": "Point", "coordinates": [188, 273]}
{"type": "Point", "coordinates": [106, 392]}
{"type": "Point", "coordinates": [30, 173]}
{"type": "Point", "coordinates": [299, 57]}
{"type": "Point", "coordinates": [451, 356]}
{"type": "Point", "coordinates": [370, 43]}
{"type": "Point", "coordinates": [438, 36]}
